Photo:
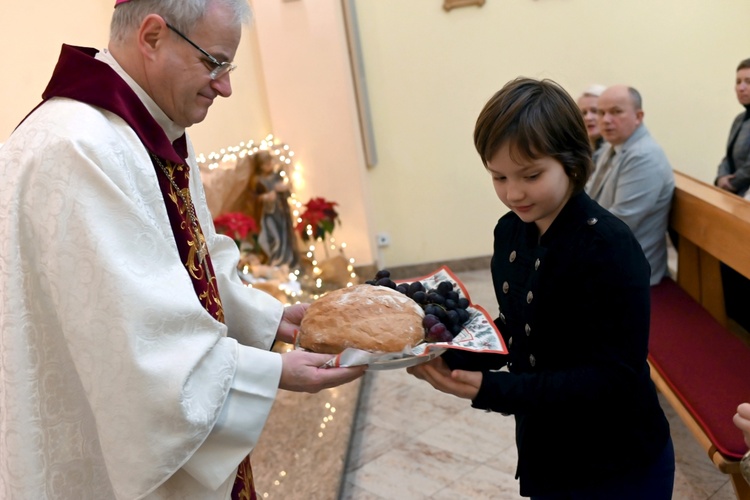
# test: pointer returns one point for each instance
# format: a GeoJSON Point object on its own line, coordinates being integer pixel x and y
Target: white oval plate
{"type": "Point", "coordinates": [394, 364]}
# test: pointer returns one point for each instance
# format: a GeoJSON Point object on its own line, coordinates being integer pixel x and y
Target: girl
{"type": "Point", "coordinates": [572, 284]}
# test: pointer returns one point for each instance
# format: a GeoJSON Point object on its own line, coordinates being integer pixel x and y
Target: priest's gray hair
{"type": "Point", "coordinates": [182, 14]}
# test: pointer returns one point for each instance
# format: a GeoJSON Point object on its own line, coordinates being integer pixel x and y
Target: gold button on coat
{"type": "Point", "coordinates": [506, 287]}
{"type": "Point", "coordinates": [529, 297]}
{"type": "Point", "coordinates": [528, 329]}
{"type": "Point", "coordinates": [536, 264]}
{"type": "Point", "coordinates": [532, 360]}
{"type": "Point", "coordinates": [592, 221]}
{"type": "Point", "coordinates": [512, 256]}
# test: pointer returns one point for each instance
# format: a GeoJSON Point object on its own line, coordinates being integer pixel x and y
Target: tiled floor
{"type": "Point", "coordinates": [413, 442]}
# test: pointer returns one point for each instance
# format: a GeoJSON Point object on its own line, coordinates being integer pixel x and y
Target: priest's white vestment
{"type": "Point", "coordinates": [114, 381]}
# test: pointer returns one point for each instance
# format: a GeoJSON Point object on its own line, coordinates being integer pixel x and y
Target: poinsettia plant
{"type": "Point", "coordinates": [236, 225]}
{"type": "Point", "coordinates": [321, 216]}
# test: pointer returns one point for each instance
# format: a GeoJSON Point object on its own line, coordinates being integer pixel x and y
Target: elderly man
{"type": "Point", "coordinates": [633, 178]}
{"type": "Point", "coordinates": [135, 364]}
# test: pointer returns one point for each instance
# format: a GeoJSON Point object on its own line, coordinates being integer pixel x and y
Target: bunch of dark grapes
{"type": "Point", "coordinates": [445, 312]}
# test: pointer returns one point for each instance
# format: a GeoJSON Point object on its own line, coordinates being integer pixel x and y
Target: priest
{"type": "Point", "coordinates": [133, 361]}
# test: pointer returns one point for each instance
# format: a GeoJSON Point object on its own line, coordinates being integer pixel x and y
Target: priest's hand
{"type": "Point", "coordinates": [301, 372]}
{"type": "Point", "coordinates": [290, 321]}
{"type": "Point", "coordinates": [461, 383]}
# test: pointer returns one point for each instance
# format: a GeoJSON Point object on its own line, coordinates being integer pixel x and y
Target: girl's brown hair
{"type": "Point", "coordinates": [537, 118]}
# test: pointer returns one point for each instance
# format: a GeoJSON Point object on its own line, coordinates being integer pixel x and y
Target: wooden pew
{"type": "Point", "coordinates": [714, 226]}
{"type": "Point", "coordinates": [694, 356]}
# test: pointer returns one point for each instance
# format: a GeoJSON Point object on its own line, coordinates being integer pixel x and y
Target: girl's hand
{"type": "Point", "coordinates": [463, 384]}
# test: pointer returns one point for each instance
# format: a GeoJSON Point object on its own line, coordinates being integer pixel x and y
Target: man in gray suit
{"type": "Point", "coordinates": [633, 178]}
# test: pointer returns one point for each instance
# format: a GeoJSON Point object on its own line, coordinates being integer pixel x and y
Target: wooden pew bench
{"type": "Point", "coordinates": [697, 362]}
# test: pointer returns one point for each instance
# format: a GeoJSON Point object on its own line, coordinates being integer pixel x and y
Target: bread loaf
{"type": "Point", "coordinates": [367, 317]}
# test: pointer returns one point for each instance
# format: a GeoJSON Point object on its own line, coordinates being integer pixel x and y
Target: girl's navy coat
{"type": "Point", "coordinates": [574, 312]}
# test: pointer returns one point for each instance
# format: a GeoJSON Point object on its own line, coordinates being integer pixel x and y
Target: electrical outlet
{"type": "Point", "coordinates": [384, 239]}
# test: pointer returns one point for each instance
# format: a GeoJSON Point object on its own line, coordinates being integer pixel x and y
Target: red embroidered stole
{"type": "Point", "coordinates": [244, 487]}
{"type": "Point", "coordinates": [190, 240]}
{"type": "Point", "coordinates": [187, 234]}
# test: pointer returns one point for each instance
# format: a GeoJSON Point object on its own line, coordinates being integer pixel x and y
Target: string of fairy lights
{"type": "Point", "coordinates": [291, 173]}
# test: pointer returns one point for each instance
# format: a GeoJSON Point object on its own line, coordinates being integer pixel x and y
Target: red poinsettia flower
{"type": "Point", "coordinates": [321, 216]}
{"type": "Point", "coordinates": [236, 225]}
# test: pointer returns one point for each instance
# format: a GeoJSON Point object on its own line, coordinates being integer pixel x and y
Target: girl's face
{"type": "Point", "coordinates": [587, 105]}
{"type": "Point", "coordinates": [536, 190]}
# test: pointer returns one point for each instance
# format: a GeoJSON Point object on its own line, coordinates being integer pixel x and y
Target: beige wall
{"type": "Point", "coordinates": [34, 34]}
{"type": "Point", "coordinates": [303, 48]}
{"type": "Point", "coordinates": [300, 56]}
{"type": "Point", "coordinates": [428, 73]}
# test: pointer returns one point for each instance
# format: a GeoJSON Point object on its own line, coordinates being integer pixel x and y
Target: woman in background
{"type": "Point", "coordinates": [734, 176]}
{"type": "Point", "coordinates": [587, 103]}
{"type": "Point", "coordinates": [733, 173]}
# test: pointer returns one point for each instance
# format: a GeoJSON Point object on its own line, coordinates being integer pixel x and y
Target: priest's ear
{"type": "Point", "coordinates": [152, 35]}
